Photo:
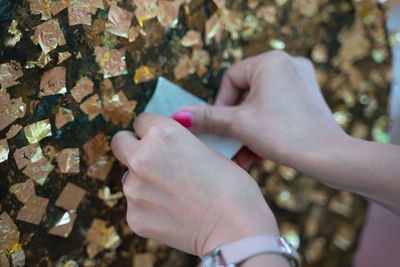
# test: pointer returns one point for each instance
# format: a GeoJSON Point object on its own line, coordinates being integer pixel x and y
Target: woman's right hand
{"type": "Point", "coordinates": [273, 104]}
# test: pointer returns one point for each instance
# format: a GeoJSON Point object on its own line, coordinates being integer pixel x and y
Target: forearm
{"type": "Point", "coordinates": [367, 168]}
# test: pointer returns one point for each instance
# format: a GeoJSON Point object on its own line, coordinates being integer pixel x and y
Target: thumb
{"type": "Point", "coordinates": [207, 119]}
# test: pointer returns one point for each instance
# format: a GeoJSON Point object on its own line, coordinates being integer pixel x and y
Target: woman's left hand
{"type": "Point", "coordinates": [184, 194]}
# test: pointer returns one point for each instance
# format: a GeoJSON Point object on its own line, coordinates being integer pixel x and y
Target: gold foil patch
{"type": "Point", "coordinates": [111, 61]}
{"type": "Point", "coordinates": [70, 197]}
{"type": "Point", "coordinates": [37, 131]}
{"type": "Point", "coordinates": [62, 56]}
{"type": "Point", "coordinates": [192, 39]}
{"type": "Point", "coordinates": [48, 35]}
{"type": "Point", "coordinates": [4, 150]}
{"type": "Point", "coordinates": [10, 109]}
{"type": "Point", "coordinates": [33, 210]}
{"type": "Point", "coordinates": [80, 12]}
{"type": "Point", "coordinates": [91, 106]}
{"type": "Point", "coordinates": [83, 87]}
{"type": "Point", "coordinates": [63, 116]}
{"type": "Point", "coordinates": [63, 226]}
{"type": "Point", "coordinates": [9, 73]}
{"type": "Point", "coordinates": [144, 74]}
{"type": "Point", "coordinates": [118, 108]}
{"type": "Point", "coordinates": [110, 199]}
{"type": "Point", "coordinates": [68, 160]}
{"type": "Point", "coordinates": [9, 234]}
{"type": "Point", "coordinates": [53, 82]}
{"type": "Point", "coordinates": [14, 130]}
{"type": "Point", "coordinates": [35, 165]}
{"type": "Point", "coordinates": [24, 192]}
{"type": "Point", "coordinates": [145, 10]}
{"type": "Point", "coordinates": [184, 68]}
{"type": "Point", "coordinates": [100, 237]}
{"type": "Point", "coordinates": [119, 21]}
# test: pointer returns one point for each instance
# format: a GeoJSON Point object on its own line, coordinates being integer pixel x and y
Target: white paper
{"type": "Point", "coordinates": [169, 98]}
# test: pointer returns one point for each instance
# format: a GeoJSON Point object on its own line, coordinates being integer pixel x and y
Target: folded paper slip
{"type": "Point", "coordinates": [169, 98]}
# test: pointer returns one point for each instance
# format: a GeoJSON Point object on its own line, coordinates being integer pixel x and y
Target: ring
{"type": "Point", "coordinates": [123, 177]}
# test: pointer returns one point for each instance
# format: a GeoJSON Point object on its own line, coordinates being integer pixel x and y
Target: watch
{"type": "Point", "coordinates": [234, 253]}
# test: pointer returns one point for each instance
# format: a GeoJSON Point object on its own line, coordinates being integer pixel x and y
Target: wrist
{"type": "Point", "coordinates": [323, 155]}
{"type": "Point", "coordinates": [234, 223]}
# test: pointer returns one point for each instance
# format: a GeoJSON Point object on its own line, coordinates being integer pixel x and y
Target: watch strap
{"type": "Point", "coordinates": [243, 249]}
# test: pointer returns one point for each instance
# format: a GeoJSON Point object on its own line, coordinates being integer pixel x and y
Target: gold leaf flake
{"type": "Point", "coordinates": [145, 10]}
{"type": "Point", "coordinates": [63, 116]}
{"type": "Point", "coordinates": [24, 192]}
{"type": "Point", "coordinates": [184, 68]}
{"type": "Point", "coordinates": [16, 35]}
{"type": "Point", "coordinates": [144, 74]}
{"type": "Point", "coordinates": [63, 226]}
{"type": "Point", "coordinates": [118, 108]}
{"type": "Point", "coordinates": [9, 234]}
{"type": "Point", "coordinates": [111, 61]}
{"type": "Point", "coordinates": [10, 109]}
{"type": "Point", "coordinates": [41, 62]}
{"type": "Point", "coordinates": [37, 131]}
{"type": "Point", "coordinates": [110, 199]}
{"type": "Point", "coordinates": [133, 33]}
{"type": "Point", "coordinates": [91, 106]}
{"type": "Point", "coordinates": [80, 12]}
{"type": "Point", "coordinates": [168, 13]}
{"type": "Point", "coordinates": [9, 73]}
{"type": "Point", "coordinates": [62, 56]}
{"type": "Point", "coordinates": [101, 168]}
{"type": "Point", "coordinates": [48, 35]}
{"type": "Point", "coordinates": [41, 7]}
{"type": "Point", "coordinates": [68, 160]}
{"type": "Point", "coordinates": [119, 21]}
{"type": "Point", "coordinates": [4, 150]}
{"type": "Point", "coordinates": [83, 87]}
{"type": "Point", "coordinates": [96, 147]}
{"type": "Point", "coordinates": [14, 130]}
{"type": "Point", "coordinates": [28, 154]}
{"type": "Point", "coordinates": [100, 237]}
{"type": "Point", "coordinates": [58, 5]}
{"type": "Point", "coordinates": [33, 211]}
{"type": "Point", "coordinates": [53, 82]}
{"type": "Point", "coordinates": [70, 197]}
{"type": "Point", "coordinates": [192, 39]}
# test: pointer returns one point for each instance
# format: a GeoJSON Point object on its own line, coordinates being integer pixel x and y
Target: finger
{"type": "Point", "coordinates": [144, 121]}
{"type": "Point", "coordinates": [122, 145]}
{"type": "Point", "coordinates": [236, 80]}
{"type": "Point", "coordinates": [207, 119]}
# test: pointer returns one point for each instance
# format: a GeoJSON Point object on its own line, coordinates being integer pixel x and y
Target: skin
{"type": "Point", "coordinates": [190, 197]}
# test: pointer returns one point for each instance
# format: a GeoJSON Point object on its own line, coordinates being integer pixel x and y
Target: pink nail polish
{"type": "Point", "coordinates": [258, 158]}
{"type": "Point", "coordinates": [185, 118]}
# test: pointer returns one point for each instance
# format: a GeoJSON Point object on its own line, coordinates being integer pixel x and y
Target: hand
{"type": "Point", "coordinates": [273, 104]}
{"type": "Point", "coordinates": [184, 194]}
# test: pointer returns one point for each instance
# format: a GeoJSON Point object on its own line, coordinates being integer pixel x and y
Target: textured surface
{"type": "Point", "coordinates": [190, 43]}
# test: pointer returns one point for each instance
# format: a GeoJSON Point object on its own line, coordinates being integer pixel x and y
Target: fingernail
{"type": "Point", "coordinates": [184, 117]}
{"type": "Point", "coordinates": [258, 158]}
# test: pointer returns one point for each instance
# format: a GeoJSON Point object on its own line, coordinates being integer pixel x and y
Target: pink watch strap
{"type": "Point", "coordinates": [241, 250]}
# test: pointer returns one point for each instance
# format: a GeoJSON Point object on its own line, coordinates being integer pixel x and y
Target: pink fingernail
{"type": "Point", "coordinates": [185, 118]}
{"type": "Point", "coordinates": [258, 158]}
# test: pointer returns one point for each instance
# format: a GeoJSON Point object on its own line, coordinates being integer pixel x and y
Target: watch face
{"type": "Point", "coordinates": [208, 261]}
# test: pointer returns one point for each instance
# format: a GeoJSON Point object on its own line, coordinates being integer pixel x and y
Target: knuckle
{"type": "Point", "coordinates": [140, 228]}
{"type": "Point", "coordinates": [137, 162]}
{"type": "Point", "coordinates": [162, 130]}
{"type": "Point", "coordinates": [277, 57]}
{"type": "Point", "coordinates": [209, 123]}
